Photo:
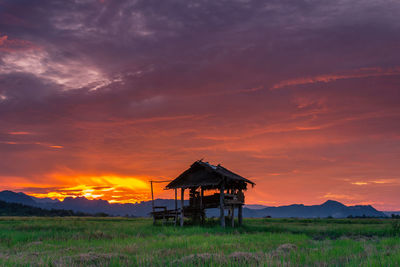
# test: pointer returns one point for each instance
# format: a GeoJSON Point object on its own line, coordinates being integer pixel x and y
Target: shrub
{"type": "Point", "coordinates": [396, 227]}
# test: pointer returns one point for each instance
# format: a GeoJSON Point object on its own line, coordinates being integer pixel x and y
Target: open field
{"type": "Point", "coordinates": [260, 242]}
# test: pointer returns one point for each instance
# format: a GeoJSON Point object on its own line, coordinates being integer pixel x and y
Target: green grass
{"type": "Point", "coordinates": [136, 242]}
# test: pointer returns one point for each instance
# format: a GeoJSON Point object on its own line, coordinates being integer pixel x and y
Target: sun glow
{"type": "Point", "coordinates": [128, 182]}
{"type": "Point", "coordinates": [113, 188]}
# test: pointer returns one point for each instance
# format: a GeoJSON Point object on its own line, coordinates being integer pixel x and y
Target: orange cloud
{"type": "Point", "coordinates": [326, 78]}
{"type": "Point", "coordinates": [56, 146]}
{"type": "Point", "coordinates": [359, 183]}
{"type": "Point", "coordinates": [15, 45]}
{"type": "Point", "coordinates": [3, 39]}
{"type": "Point", "coordinates": [19, 133]}
{"type": "Point", "coordinates": [338, 196]}
{"type": "Point", "coordinates": [385, 181]}
{"type": "Point", "coordinates": [10, 143]}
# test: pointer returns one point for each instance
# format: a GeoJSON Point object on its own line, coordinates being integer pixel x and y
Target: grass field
{"type": "Point", "coordinates": [260, 242]}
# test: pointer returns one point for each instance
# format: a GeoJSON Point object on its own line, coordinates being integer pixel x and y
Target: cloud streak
{"type": "Point", "coordinates": [15, 45]}
{"type": "Point", "coordinates": [326, 78]}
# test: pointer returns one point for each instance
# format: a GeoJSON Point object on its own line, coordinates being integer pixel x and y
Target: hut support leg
{"type": "Point", "coordinates": [176, 206]}
{"type": "Point", "coordinates": [240, 214]}
{"type": "Point", "coordinates": [152, 202]}
{"type": "Point", "coordinates": [203, 215]}
{"type": "Point", "coordinates": [233, 216]}
{"type": "Point", "coordinates": [182, 204]}
{"type": "Point", "coordinates": [221, 205]}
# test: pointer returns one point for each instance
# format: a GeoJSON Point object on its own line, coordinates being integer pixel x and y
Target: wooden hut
{"type": "Point", "coordinates": [209, 187]}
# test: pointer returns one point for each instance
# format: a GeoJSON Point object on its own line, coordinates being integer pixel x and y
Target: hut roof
{"type": "Point", "coordinates": [203, 173]}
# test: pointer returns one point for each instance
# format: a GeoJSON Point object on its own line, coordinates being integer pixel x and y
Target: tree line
{"type": "Point", "coordinates": [16, 209]}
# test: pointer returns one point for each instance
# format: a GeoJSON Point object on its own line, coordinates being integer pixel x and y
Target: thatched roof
{"type": "Point", "coordinates": [204, 174]}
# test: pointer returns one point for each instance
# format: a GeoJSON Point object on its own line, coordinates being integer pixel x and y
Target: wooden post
{"type": "Point", "coordinates": [233, 216]}
{"type": "Point", "coordinates": [176, 206]}
{"type": "Point", "coordinates": [201, 205]}
{"type": "Point", "coordinates": [201, 197]}
{"type": "Point", "coordinates": [182, 204]}
{"type": "Point", "coordinates": [221, 204]}
{"type": "Point", "coordinates": [240, 207]}
{"type": "Point", "coordinates": [152, 202]}
{"type": "Point", "coordinates": [240, 215]}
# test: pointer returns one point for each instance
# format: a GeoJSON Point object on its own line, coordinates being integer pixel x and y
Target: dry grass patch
{"type": "Point", "coordinates": [88, 259]}
{"type": "Point", "coordinates": [199, 259]}
{"type": "Point", "coordinates": [246, 258]}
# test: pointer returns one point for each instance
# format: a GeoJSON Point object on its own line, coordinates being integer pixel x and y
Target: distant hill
{"type": "Point", "coordinates": [141, 209]}
{"type": "Point", "coordinates": [21, 198]}
{"type": "Point", "coordinates": [330, 208]}
{"type": "Point", "coordinates": [45, 200]}
{"type": "Point", "coordinates": [255, 206]}
{"type": "Point", "coordinates": [80, 204]}
{"type": "Point", "coordinates": [389, 213]}
{"type": "Point", "coordinates": [16, 209]}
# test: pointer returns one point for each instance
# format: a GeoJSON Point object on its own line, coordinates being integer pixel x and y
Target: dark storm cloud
{"type": "Point", "coordinates": [185, 40]}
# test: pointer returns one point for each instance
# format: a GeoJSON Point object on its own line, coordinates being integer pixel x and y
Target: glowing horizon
{"type": "Point", "coordinates": [120, 189]}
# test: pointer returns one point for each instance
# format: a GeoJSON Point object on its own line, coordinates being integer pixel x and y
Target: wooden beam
{"type": "Point", "coordinates": [182, 204]}
{"type": "Point", "coordinates": [221, 204]}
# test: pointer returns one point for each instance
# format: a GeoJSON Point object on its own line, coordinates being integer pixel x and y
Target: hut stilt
{"type": "Point", "coordinates": [182, 204]}
{"type": "Point", "coordinates": [221, 205]}
{"type": "Point", "coordinates": [240, 215]}
{"type": "Point", "coordinates": [233, 216]}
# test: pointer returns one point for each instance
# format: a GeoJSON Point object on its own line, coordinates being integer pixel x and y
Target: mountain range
{"type": "Point", "coordinates": [330, 208]}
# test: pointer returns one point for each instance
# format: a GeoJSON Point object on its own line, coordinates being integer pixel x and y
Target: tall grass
{"type": "Point", "coordinates": [136, 242]}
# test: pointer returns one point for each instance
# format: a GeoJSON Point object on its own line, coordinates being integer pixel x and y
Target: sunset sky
{"type": "Point", "coordinates": [302, 97]}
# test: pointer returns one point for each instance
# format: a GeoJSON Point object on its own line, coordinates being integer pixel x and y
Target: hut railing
{"type": "Point", "coordinates": [213, 201]}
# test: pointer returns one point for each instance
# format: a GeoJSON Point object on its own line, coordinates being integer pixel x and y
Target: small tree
{"type": "Point", "coordinates": [396, 227]}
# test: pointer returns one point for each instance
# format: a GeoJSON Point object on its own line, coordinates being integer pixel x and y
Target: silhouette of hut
{"type": "Point", "coordinates": [209, 187]}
